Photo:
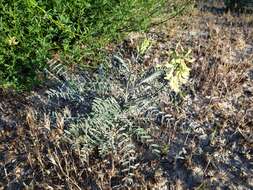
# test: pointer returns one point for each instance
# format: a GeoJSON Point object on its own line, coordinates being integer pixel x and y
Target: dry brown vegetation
{"type": "Point", "coordinates": [207, 140]}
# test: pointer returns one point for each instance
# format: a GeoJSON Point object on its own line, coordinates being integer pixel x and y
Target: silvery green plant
{"type": "Point", "coordinates": [121, 106]}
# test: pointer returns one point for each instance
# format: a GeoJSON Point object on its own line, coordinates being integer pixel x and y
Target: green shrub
{"type": "Point", "coordinates": [32, 31]}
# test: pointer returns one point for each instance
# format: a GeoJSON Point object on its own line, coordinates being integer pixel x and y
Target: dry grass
{"type": "Point", "coordinates": [36, 157]}
{"type": "Point", "coordinates": [217, 109]}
